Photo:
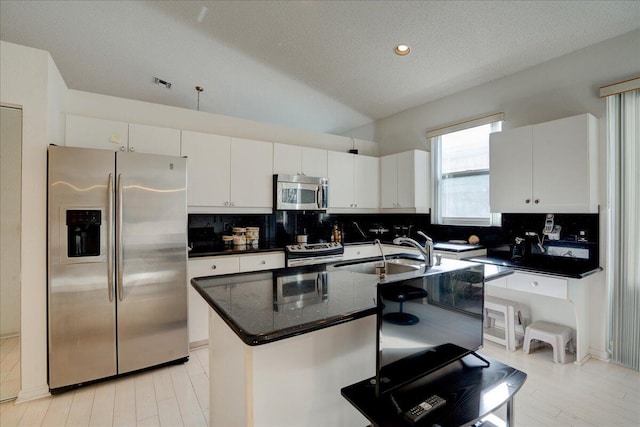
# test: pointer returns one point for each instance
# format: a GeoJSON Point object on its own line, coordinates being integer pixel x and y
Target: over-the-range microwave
{"type": "Point", "coordinates": [300, 193]}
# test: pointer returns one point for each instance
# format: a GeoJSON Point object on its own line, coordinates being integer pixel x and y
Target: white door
{"type": "Point", "coordinates": [314, 162]}
{"type": "Point", "coordinates": [389, 181]}
{"type": "Point", "coordinates": [561, 164]}
{"type": "Point", "coordinates": [251, 173]}
{"type": "Point", "coordinates": [208, 168]}
{"type": "Point", "coordinates": [88, 132]}
{"type": "Point", "coordinates": [154, 140]}
{"type": "Point", "coordinates": [340, 171]}
{"type": "Point", "coordinates": [287, 159]}
{"type": "Point", "coordinates": [511, 186]}
{"type": "Point", "coordinates": [407, 179]}
{"type": "Point", "coordinates": [367, 182]}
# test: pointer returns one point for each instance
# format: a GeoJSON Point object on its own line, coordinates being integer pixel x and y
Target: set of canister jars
{"type": "Point", "coordinates": [243, 237]}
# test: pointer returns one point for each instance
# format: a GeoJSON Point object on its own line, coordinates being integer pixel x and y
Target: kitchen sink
{"type": "Point", "coordinates": [394, 266]}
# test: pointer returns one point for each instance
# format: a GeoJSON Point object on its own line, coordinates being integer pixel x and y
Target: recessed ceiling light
{"type": "Point", "coordinates": [402, 50]}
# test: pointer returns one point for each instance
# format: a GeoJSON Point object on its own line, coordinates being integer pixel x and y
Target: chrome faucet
{"type": "Point", "coordinates": [426, 250]}
{"type": "Point", "coordinates": [382, 273]}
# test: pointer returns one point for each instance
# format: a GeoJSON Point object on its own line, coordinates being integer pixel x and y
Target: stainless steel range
{"type": "Point", "coordinates": [313, 253]}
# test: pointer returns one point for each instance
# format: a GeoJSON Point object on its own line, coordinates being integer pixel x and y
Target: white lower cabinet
{"type": "Point", "coordinates": [198, 308]}
{"type": "Point", "coordinates": [536, 284]}
{"type": "Point", "coordinates": [257, 262]}
{"type": "Point", "coordinates": [217, 266]}
{"type": "Point", "coordinates": [554, 299]}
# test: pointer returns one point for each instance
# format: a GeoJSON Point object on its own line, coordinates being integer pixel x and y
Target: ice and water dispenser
{"type": "Point", "coordinates": [83, 233]}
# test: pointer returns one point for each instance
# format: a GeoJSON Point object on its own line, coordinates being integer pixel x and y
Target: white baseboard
{"type": "Point", "coordinates": [33, 393]}
{"type": "Point", "coordinates": [600, 354]}
{"type": "Point", "coordinates": [198, 344]}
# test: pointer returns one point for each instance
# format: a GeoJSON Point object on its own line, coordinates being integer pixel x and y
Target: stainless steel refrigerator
{"type": "Point", "coordinates": [117, 263]}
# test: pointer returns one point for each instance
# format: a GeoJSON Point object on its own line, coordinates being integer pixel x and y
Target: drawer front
{"type": "Point", "coordinates": [213, 266]}
{"type": "Point", "coordinates": [258, 262]}
{"type": "Point", "coordinates": [500, 282]}
{"type": "Point", "coordinates": [536, 284]}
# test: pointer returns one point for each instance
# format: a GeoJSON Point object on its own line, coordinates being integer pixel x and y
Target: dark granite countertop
{"type": "Point", "coordinates": [566, 267]}
{"type": "Point", "coordinates": [267, 306]}
{"type": "Point", "coordinates": [218, 250]}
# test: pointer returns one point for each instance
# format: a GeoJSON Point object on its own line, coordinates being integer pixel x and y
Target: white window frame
{"type": "Point", "coordinates": [435, 139]}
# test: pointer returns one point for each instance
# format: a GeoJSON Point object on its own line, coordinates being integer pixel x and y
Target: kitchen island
{"type": "Point", "coordinates": [284, 342]}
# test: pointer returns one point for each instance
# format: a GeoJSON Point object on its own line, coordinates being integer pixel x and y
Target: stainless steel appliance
{"type": "Point", "coordinates": [313, 253]}
{"type": "Point", "coordinates": [300, 290]}
{"type": "Point", "coordinates": [300, 193]}
{"type": "Point", "coordinates": [117, 258]}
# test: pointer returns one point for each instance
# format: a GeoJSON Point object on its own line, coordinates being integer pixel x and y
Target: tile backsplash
{"type": "Point", "coordinates": [578, 237]}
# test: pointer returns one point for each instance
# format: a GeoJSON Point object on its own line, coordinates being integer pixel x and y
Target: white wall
{"type": "Point", "coordinates": [29, 78]}
{"type": "Point", "coordinates": [127, 110]}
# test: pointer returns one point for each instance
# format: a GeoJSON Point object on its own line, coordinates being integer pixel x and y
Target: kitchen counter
{"type": "Point", "coordinates": [566, 267]}
{"type": "Point", "coordinates": [218, 250]}
{"type": "Point", "coordinates": [326, 313]}
{"type": "Point", "coordinates": [267, 306]}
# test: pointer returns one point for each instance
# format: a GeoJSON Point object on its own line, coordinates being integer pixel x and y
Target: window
{"type": "Point", "coordinates": [461, 173]}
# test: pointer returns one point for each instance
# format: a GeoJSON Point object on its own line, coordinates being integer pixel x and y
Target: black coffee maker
{"type": "Point", "coordinates": [520, 250]}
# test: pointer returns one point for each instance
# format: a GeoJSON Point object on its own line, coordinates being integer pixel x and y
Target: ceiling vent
{"type": "Point", "coordinates": [165, 84]}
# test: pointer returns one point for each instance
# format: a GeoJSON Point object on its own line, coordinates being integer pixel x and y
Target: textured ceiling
{"type": "Point", "coordinates": [320, 65]}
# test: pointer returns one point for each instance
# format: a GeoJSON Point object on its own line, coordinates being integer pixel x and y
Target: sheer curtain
{"type": "Point", "coordinates": [623, 248]}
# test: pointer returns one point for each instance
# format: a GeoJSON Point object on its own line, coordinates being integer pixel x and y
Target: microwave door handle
{"type": "Point", "coordinates": [318, 196]}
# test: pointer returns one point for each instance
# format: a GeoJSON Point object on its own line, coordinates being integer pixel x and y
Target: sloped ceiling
{"type": "Point", "coordinates": [326, 66]}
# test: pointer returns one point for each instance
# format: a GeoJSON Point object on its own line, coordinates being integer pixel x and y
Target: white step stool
{"type": "Point", "coordinates": [556, 335]}
{"type": "Point", "coordinates": [508, 310]}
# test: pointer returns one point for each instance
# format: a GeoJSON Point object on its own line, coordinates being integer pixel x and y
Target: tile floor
{"type": "Point", "coordinates": [9, 367]}
{"type": "Point", "coordinates": [595, 394]}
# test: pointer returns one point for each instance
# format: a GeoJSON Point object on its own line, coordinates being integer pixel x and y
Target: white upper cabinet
{"type": "Point", "coordinates": [251, 174]}
{"type": "Point", "coordinates": [551, 167]}
{"type": "Point", "coordinates": [112, 135]}
{"type": "Point", "coordinates": [354, 181]}
{"type": "Point", "coordinates": [228, 174]}
{"type": "Point", "coordinates": [366, 182]}
{"type": "Point", "coordinates": [88, 132]}
{"type": "Point", "coordinates": [295, 160]}
{"type": "Point", "coordinates": [154, 140]}
{"type": "Point", "coordinates": [405, 181]}
{"type": "Point", "coordinates": [208, 170]}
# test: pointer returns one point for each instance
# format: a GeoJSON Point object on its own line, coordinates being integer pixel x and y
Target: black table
{"type": "Point", "coordinates": [472, 391]}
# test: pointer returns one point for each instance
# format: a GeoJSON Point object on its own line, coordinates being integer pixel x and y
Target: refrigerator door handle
{"type": "Point", "coordinates": [110, 239]}
{"type": "Point", "coordinates": [119, 240]}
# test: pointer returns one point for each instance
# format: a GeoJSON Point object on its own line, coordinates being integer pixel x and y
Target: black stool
{"type": "Point", "coordinates": [400, 294]}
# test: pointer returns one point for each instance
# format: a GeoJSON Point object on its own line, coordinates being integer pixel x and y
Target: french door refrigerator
{"type": "Point", "coordinates": [117, 263]}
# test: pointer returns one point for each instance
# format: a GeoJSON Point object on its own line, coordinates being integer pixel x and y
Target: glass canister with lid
{"type": "Point", "coordinates": [253, 236]}
{"type": "Point", "coordinates": [239, 236]}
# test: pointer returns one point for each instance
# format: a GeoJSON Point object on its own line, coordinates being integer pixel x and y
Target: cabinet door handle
{"type": "Point", "coordinates": [122, 148]}
{"type": "Point", "coordinates": [527, 201]}
{"type": "Point", "coordinates": [213, 267]}
{"type": "Point", "coordinates": [263, 262]}
{"type": "Point", "coordinates": [132, 149]}
{"type": "Point", "coordinates": [226, 203]}
{"type": "Point", "coordinates": [536, 201]}
{"type": "Point", "coordinates": [534, 284]}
